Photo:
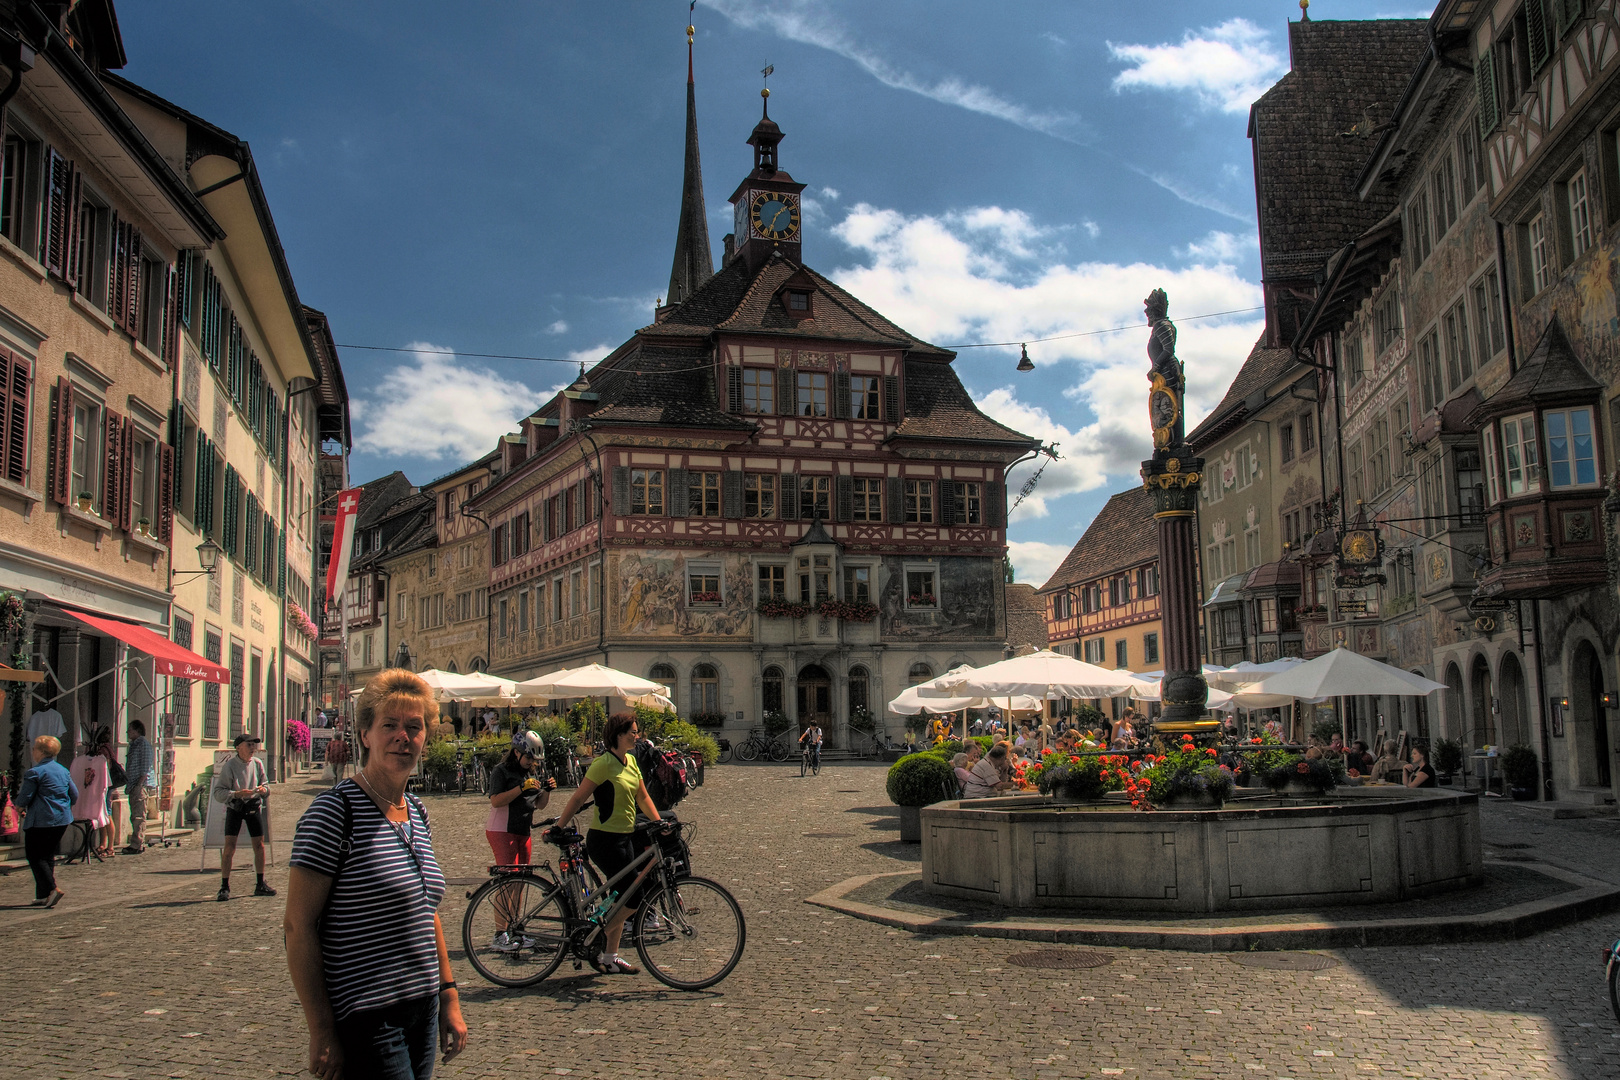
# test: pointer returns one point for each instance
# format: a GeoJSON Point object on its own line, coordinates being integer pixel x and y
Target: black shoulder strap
{"type": "Point", "coordinates": [345, 837]}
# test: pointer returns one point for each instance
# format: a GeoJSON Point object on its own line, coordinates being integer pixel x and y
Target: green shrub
{"type": "Point", "coordinates": [1078, 778]}
{"type": "Point", "coordinates": [679, 735]}
{"type": "Point", "coordinates": [775, 723]}
{"type": "Point", "coordinates": [920, 780]}
{"type": "Point", "coordinates": [1448, 756]}
{"type": "Point", "coordinates": [491, 748]}
{"type": "Point", "coordinates": [862, 720]}
{"type": "Point", "coordinates": [439, 759]}
{"type": "Point", "coordinates": [1519, 767]}
{"type": "Point", "coordinates": [1315, 773]}
{"type": "Point", "coordinates": [587, 717]}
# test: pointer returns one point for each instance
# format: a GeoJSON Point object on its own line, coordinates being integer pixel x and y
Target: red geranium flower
{"type": "Point", "coordinates": [1303, 768]}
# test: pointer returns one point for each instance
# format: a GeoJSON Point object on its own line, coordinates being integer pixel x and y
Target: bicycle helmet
{"type": "Point", "coordinates": [528, 742]}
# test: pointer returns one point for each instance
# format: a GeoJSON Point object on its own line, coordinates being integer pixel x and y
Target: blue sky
{"type": "Point", "coordinates": [504, 177]}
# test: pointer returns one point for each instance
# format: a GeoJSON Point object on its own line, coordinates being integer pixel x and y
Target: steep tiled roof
{"type": "Point", "coordinates": [1026, 619]}
{"type": "Point", "coordinates": [938, 406]}
{"type": "Point", "coordinates": [1345, 77]}
{"type": "Point", "coordinates": [661, 385]}
{"type": "Point", "coordinates": [1262, 368]}
{"type": "Point", "coordinates": [1122, 535]}
{"type": "Point", "coordinates": [378, 496]}
{"type": "Point", "coordinates": [735, 300]}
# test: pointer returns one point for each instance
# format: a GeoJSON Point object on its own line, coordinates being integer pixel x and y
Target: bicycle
{"type": "Point", "coordinates": [523, 921]}
{"type": "Point", "coordinates": [725, 751]}
{"type": "Point", "coordinates": [77, 843]}
{"type": "Point", "coordinates": [758, 746]}
{"type": "Point", "coordinates": [809, 759]}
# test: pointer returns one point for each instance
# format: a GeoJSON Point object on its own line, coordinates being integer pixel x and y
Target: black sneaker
{"type": "Point", "coordinates": [262, 889]}
{"type": "Point", "coordinates": [224, 893]}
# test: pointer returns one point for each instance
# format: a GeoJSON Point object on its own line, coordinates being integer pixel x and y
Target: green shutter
{"type": "Point", "coordinates": [1540, 38]}
{"type": "Point", "coordinates": [1485, 80]}
{"type": "Point", "coordinates": [203, 491]}
{"type": "Point", "coordinates": [1569, 12]}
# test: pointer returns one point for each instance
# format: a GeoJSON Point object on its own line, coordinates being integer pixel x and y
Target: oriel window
{"type": "Point", "coordinates": [646, 491]}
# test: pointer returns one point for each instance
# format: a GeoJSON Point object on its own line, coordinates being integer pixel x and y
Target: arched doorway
{"type": "Point", "coordinates": [1514, 705]}
{"type": "Point", "coordinates": [814, 696]}
{"type": "Point", "coordinates": [1588, 719]}
{"type": "Point", "coordinates": [1454, 702]}
{"type": "Point", "coordinates": [1480, 697]}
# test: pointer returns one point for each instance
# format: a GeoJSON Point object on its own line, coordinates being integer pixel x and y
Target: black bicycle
{"type": "Point", "coordinates": [809, 759]}
{"type": "Point", "coordinates": [523, 921]}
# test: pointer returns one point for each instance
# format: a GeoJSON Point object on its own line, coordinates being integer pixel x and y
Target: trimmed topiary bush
{"type": "Point", "coordinates": [920, 780]}
{"type": "Point", "coordinates": [1519, 767]}
{"type": "Point", "coordinates": [1448, 756]}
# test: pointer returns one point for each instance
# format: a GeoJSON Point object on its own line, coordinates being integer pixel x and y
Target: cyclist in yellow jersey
{"type": "Point", "coordinates": [615, 783]}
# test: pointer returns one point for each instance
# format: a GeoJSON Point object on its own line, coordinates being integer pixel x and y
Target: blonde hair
{"type": "Point", "coordinates": [49, 745]}
{"type": "Point", "coordinates": [388, 687]}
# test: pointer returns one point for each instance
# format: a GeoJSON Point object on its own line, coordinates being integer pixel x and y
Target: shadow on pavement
{"type": "Point", "coordinates": [896, 850]}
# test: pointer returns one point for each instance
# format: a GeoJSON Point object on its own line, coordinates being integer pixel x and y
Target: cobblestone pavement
{"type": "Point", "coordinates": [140, 973]}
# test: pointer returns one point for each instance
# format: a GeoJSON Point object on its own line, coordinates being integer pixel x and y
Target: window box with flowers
{"type": "Point", "coordinates": [1311, 611]}
{"type": "Point", "coordinates": [300, 621]}
{"type": "Point", "coordinates": [848, 610]}
{"type": "Point", "coordinates": [775, 607]}
{"type": "Point", "coordinates": [708, 719]}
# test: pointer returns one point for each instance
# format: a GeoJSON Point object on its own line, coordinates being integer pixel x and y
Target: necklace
{"type": "Point", "coordinates": [371, 791]}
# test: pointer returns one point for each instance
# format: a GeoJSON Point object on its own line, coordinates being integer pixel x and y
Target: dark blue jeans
{"type": "Point", "coordinates": [395, 1043]}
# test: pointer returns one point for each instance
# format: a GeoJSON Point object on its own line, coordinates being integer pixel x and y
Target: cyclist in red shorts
{"type": "Point", "coordinates": [516, 792]}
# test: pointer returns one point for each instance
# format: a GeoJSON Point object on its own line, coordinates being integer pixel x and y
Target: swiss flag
{"type": "Point", "coordinates": [337, 571]}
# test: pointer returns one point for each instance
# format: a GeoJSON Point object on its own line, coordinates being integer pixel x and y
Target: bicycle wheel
{"type": "Point", "coordinates": [725, 755]}
{"type": "Point", "coordinates": [515, 930]}
{"type": "Point", "coordinates": [804, 765]}
{"type": "Point", "coordinates": [747, 751]}
{"type": "Point", "coordinates": [690, 934]}
{"type": "Point", "coordinates": [778, 750]}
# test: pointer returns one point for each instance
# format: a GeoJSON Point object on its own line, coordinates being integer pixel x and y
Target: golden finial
{"type": "Point", "coordinates": [1304, 10]}
{"type": "Point", "coordinates": [690, 30]}
{"type": "Point", "coordinates": [765, 92]}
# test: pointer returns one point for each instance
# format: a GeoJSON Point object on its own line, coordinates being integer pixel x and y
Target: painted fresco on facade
{"type": "Point", "coordinates": [649, 599]}
{"type": "Point", "coordinates": [967, 600]}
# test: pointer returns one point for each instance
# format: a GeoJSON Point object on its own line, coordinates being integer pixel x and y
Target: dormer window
{"type": "Point", "coordinates": [799, 302]}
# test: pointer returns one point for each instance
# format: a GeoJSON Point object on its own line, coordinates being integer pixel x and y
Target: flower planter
{"type": "Point", "coordinates": [1192, 800]}
{"type": "Point", "coordinates": [910, 824]}
{"type": "Point", "coordinates": [1300, 786]}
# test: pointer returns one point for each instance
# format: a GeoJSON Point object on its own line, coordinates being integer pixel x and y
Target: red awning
{"type": "Point", "coordinates": [168, 657]}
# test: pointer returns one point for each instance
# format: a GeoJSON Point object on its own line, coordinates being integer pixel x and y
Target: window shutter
{"type": "Point", "coordinates": [1537, 26]}
{"type": "Point", "coordinates": [947, 502]}
{"type": "Point", "coordinates": [787, 507]}
{"type": "Point", "coordinates": [731, 494]}
{"type": "Point", "coordinates": [786, 405]}
{"type": "Point", "coordinates": [621, 490]}
{"type": "Point", "coordinates": [171, 317]}
{"type": "Point", "coordinates": [897, 501]}
{"type": "Point", "coordinates": [1569, 12]}
{"type": "Point", "coordinates": [675, 494]}
{"type": "Point", "coordinates": [210, 508]}
{"type": "Point", "coordinates": [203, 491]}
{"type": "Point", "coordinates": [126, 475]}
{"type": "Point", "coordinates": [70, 260]}
{"type": "Point", "coordinates": [840, 391]}
{"type": "Point", "coordinates": [734, 397]}
{"type": "Point", "coordinates": [546, 516]}
{"type": "Point", "coordinates": [844, 498]}
{"type": "Point", "coordinates": [281, 569]}
{"type": "Point", "coordinates": [168, 477]}
{"type": "Point", "coordinates": [1485, 78]}
{"type": "Point", "coordinates": [14, 398]}
{"type": "Point", "coordinates": [112, 441]}
{"type": "Point", "coordinates": [58, 184]}
{"type": "Point", "coordinates": [891, 399]}
{"type": "Point", "coordinates": [117, 268]}
{"type": "Point", "coordinates": [227, 527]}
{"type": "Point", "coordinates": [61, 463]}
{"type": "Point", "coordinates": [995, 504]}
{"type": "Point", "coordinates": [132, 311]}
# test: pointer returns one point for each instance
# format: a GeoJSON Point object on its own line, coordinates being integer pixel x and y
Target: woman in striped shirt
{"type": "Point", "coordinates": [364, 942]}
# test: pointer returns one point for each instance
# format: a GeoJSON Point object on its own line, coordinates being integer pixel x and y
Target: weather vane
{"type": "Point", "coordinates": [766, 73]}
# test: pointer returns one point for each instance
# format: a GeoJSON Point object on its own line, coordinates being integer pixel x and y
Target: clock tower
{"type": "Point", "coordinates": [766, 203]}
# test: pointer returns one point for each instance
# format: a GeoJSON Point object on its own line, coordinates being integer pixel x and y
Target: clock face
{"type": "Point", "coordinates": [774, 215]}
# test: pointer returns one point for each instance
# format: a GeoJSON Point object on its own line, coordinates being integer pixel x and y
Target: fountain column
{"type": "Point", "coordinates": [1174, 475]}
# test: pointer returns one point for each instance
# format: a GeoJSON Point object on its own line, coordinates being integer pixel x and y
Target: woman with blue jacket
{"type": "Point", "coordinates": [47, 796]}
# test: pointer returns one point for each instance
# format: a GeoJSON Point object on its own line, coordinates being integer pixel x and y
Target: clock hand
{"type": "Point", "coordinates": [776, 215]}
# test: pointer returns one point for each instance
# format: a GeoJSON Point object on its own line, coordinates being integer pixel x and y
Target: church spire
{"type": "Point", "coordinates": [694, 262]}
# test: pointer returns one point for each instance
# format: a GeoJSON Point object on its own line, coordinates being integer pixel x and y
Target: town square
{"type": "Point", "coordinates": [1099, 558]}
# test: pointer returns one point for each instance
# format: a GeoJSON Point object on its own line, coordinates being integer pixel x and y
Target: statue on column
{"type": "Point", "coordinates": [1166, 377]}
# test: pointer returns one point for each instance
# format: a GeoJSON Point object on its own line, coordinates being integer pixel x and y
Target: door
{"type": "Point", "coordinates": [814, 697]}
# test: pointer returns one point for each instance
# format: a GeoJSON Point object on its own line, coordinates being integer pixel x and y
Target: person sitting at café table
{"type": "Point", "coordinates": [984, 774]}
{"type": "Point", "coordinates": [1387, 765]}
{"type": "Point", "coordinates": [1124, 731]}
{"type": "Point", "coordinates": [1418, 772]}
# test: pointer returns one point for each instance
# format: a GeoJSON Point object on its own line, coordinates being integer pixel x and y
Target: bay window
{"type": "Point", "coordinates": [1520, 462]}
{"type": "Point", "coordinates": [1571, 459]}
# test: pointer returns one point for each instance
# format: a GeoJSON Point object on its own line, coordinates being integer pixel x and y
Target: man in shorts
{"type": "Point", "coordinates": [242, 784]}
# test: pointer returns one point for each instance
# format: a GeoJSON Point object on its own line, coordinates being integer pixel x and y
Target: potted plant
{"type": "Point", "coordinates": [848, 610]}
{"type": "Point", "coordinates": [916, 781]}
{"type": "Point", "coordinates": [85, 502]}
{"type": "Point", "coordinates": [1297, 774]}
{"type": "Point", "coordinates": [708, 719]}
{"type": "Point", "coordinates": [1519, 771]}
{"type": "Point", "coordinates": [1448, 758]}
{"type": "Point", "coordinates": [775, 607]}
{"type": "Point", "coordinates": [1183, 778]}
{"type": "Point", "coordinates": [1074, 778]}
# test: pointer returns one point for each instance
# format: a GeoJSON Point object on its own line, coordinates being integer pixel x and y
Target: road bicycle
{"type": "Point", "coordinates": [809, 759]}
{"type": "Point", "coordinates": [758, 746]}
{"type": "Point", "coordinates": [523, 922]}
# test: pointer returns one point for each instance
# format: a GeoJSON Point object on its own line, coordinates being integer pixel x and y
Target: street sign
{"type": "Point", "coordinates": [1359, 581]}
{"type": "Point", "coordinates": [1489, 603]}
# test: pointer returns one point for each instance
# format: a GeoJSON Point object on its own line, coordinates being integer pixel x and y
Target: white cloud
{"type": "Point", "coordinates": [805, 22]}
{"type": "Point", "coordinates": [1190, 195]}
{"type": "Point", "coordinates": [435, 408]}
{"type": "Point", "coordinates": [558, 327]}
{"type": "Point", "coordinates": [1034, 561]}
{"type": "Point", "coordinates": [831, 193]}
{"type": "Point", "coordinates": [982, 275]}
{"type": "Point", "coordinates": [1219, 247]}
{"type": "Point", "coordinates": [1226, 67]}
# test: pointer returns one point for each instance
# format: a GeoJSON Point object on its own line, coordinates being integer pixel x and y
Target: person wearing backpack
{"type": "Point", "coordinates": [667, 782]}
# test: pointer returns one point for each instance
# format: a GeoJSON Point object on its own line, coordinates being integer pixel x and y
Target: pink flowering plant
{"type": "Point", "coordinates": [298, 735]}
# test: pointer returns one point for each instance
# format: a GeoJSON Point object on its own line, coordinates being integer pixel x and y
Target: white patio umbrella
{"type": "Point", "coordinates": [1247, 671]}
{"type": "Point", "coordinates": [910, 703]}
{"type": "Point", "coordinates": [453, 685]}
{"type": "Point", "coordinates": [1044, 674]}
{"type": "Point", "coordinates": [1342, 673]}
{"type": "Point", "coordinates": [592, 680]}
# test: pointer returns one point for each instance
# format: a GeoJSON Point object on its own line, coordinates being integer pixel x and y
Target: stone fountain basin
{"type": "Point", "coordinates": [1258, 853]}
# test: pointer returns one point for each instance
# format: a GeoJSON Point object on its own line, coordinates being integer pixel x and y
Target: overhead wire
{"type": "Point", "coordinates": [702, 366]}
